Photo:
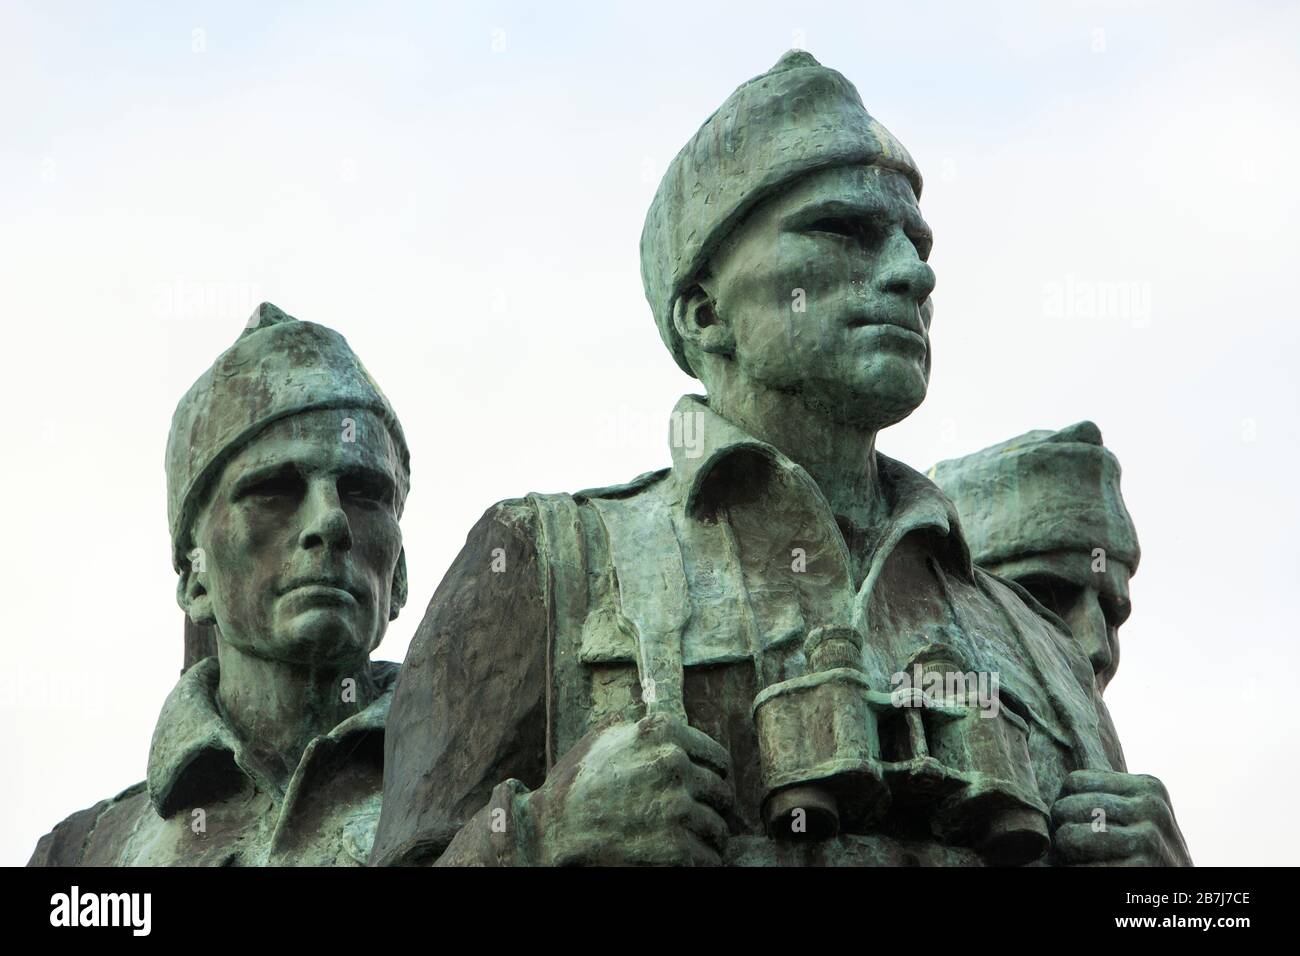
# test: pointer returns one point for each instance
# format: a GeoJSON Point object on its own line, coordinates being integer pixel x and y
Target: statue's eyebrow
{"type": "Point", "coordinates": [856, 210]}
{"type": "Point", "coordinates": [371, 476]}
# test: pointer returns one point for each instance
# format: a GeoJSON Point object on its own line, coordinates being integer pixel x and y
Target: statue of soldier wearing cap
{"type": "Point", "coordinates": [1044, 510]}
{"type": "Point", "coordinates": [287, 471]}
{"type": "Point", "coordinates": [777, 651]}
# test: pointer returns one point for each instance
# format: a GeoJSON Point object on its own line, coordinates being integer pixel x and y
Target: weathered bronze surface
{"type": "Point", "coordinates": [783, 649]}
{"type": "Point", "coordinates": [778, 650]}
{"type": "Point", "coordinates": [286, 475]}
{"type": "Point", "coordinates": [1044, 509]}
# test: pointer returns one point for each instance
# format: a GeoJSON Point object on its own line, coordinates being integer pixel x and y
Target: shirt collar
{"type": "Point", "coordinates": [700, 440]}
{"type": "Point", "coordinates": [195, 754]}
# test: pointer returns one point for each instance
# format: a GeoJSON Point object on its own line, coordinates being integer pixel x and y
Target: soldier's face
{"type": "Point", "coordinates": [1093, 603]}
{"type": "Point", "coordinates": [301, 539]}
{"type": "Point", "coordinates": [826, 289]}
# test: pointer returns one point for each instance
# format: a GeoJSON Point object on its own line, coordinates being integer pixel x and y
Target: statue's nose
{"type": "Point", "coordinates": [326, 523]}
{"type": "Point", "coordinates": [903, 272]}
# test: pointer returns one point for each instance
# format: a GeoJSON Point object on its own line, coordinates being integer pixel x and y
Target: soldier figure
{"type": "Point", "coordinates": [287, 471]}
{"type": "Point", "coordinates": [692, 668]}
{"type": "Point", "coordinates": [1044, 510]}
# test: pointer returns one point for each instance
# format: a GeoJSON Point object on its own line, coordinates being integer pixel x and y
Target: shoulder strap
{"type": "Point", "coordinates": [562, 551]}
{"type": "Point", "coordinates": [653, 595]}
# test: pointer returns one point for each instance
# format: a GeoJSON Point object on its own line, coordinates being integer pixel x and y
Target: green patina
{"type": "Point", "coordinates": [1044, 509]}
{"type": "Point", "coordinates": [286, 475]}
{"type": "Point", "coordinates": [784, 649]}
{"type": "Point", "coordinates": [730, 660]}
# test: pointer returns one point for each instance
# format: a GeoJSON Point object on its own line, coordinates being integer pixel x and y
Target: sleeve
{"type": "Point", "coordinates": [469, 710]}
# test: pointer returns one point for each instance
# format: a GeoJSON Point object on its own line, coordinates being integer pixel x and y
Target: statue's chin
{"type": "Point", "coordinates": [873, 403]}
{"type": "Point", "coordinates": [316, 636]}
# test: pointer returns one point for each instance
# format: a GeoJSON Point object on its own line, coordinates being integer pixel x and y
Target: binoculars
{"type": "Point", "coordinates": [837, 754]}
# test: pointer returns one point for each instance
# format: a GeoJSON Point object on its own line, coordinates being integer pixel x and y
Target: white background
{"type": "Point", "coordinates": [460, 191]}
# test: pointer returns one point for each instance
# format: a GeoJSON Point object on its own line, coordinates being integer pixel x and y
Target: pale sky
{"type": "Point", "coordinates": [459, 189]}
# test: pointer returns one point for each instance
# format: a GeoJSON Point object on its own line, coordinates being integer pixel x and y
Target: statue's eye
{"type": "Point", "coordinates": [839, 226]}
{"type": "Point", "coordinates": [1054, 593]}
{"type": "Point", "coordinates": [277, 486]}
{"type": "Point", "coordinates": [367, 488]}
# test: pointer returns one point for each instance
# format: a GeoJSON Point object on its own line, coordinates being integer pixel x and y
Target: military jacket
{"type": "Point", "coordinates": [700, 581]}
{"type": "Point", "coordinates": [205, 801]}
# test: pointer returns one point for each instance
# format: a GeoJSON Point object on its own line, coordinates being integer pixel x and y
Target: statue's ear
{"type": "Point", "coordinates": [698, 322]}
{"type": "Point", "coordinates": [192, 596]}
{"type": "Point", "coordinates": [397, 600]}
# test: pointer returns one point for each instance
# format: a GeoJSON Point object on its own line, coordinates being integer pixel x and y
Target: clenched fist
{"type": "Point", "coordinates": [653, 792]}
{"type": "Point", "coordinates": [1104, 818]}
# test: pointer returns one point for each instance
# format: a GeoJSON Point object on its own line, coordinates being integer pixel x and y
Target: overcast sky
{"type": "Point", "coordinates": [460, 189]}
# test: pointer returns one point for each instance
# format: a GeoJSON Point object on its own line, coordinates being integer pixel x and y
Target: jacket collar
{"type": "Point", "coordinates": [700, 440]}
{"type": "Point", "coordinates": [196, 756]}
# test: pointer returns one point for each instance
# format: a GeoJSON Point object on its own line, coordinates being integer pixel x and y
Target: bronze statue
{"type": "Point", "coordinates": [778, 650]}
{"type": "Point", "coordinates": [1044, 510]}
{"type": "Point", "coordinates": [287, 471]}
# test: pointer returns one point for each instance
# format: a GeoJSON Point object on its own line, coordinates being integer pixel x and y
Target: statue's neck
{"type": "Point", "coordinates": [840, 458]}
{"type": "Point", "coordinates": [277, 708]}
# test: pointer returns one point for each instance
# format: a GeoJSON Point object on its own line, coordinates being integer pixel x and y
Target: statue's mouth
{"type": "Point", "coordinates": [890, 330]}
{"type": "Point", "coordinates": [325, 587]}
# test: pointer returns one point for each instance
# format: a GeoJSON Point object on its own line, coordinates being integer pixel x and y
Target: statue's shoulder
{"type": "Point", "coordinates": [558, 522]}
{"type": "Point", "coordinates": [509, 513]}
{"type": "Point", "coordinates": [524, 551]}
{"type": "Point", "coordinates": [91, 836]}
{"type": "Point", "coordinates": [641, 483]}
{"type": "Point", "coordinates": [575, 529]}
{"type": "Point", "coordinates": [528, 514]}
